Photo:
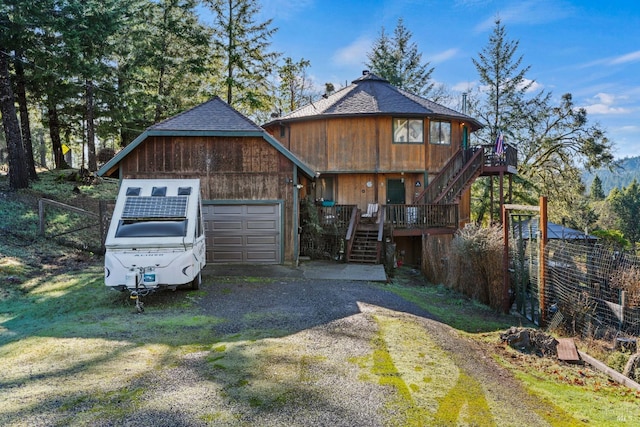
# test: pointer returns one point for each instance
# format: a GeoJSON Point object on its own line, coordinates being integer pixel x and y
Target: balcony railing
{"type": "Point", "coordinates": [507, 159]}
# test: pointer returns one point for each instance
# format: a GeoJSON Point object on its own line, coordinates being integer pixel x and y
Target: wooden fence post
{"type": "Point", "coordinates": [506, 306]}
{"type": "Point", "coordinates": [542, 260]}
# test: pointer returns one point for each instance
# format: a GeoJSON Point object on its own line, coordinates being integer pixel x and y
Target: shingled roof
{"type": "Point", "coordinates": [373, 95]}
{"type": "Point", "coordinates": [213, 115]}
{"type": "Point", "coordinates": [212, 118]}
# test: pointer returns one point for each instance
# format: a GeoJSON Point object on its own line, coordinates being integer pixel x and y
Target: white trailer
{"type": "Point", "coordinates": [156, 237]}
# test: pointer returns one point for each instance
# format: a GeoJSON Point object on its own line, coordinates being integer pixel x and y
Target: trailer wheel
{"type": "Point", "coordinates": [195, 284]}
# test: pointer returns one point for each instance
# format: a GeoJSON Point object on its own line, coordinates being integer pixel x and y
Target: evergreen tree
{"type": "Point", "coordinates": [160, 66]}
{"type": "Point", "coordinates": [18, 174]}
{"type": "Point", "coordinates": [242, 45]}
{"type": "Point", "coordinates": [626, 205]}
{"type": "Point", "coordinates": [398, 60]}
{"type": "Point", "coordinates": [88, 29]}
{"type": "Point", "coordinates": [554, 142]}
{"type": "Point", "coordinates": [501, 72]}
{"type": "Point", "coordinates": [596, 191]}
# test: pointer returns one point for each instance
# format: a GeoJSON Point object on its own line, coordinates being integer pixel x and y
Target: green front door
{"type": "Point", "coordinates": [395, 192]}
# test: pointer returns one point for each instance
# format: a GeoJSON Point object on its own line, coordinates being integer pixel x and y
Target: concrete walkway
{"type": "Point", "coordinates": [343, 271]}
{"type": "Point", "coordinates": [320, 270]}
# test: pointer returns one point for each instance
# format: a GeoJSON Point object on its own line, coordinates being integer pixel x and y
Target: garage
{"type": "Point", "coordinates": [243, 233]}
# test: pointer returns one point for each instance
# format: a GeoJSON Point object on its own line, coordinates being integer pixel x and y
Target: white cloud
{"type": "Point", "coordinates": [623, 59]}
{"type": "Point", "coordinates": [353, 54]}
{"type": "Point", "coordinates": [603, 103]}
{"type": "Point", "coordinates": [614, 60]}
{"type": "Point", "coordinates": [534, 85]}
{"type": "Point", "coordinates": [443, 56]}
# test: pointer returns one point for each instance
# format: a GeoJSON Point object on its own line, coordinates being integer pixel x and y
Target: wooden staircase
{"type": "Point", "coordinates": [364, 238]}
{"type": "Point", "coordinates": [454, 178]}
{"type": "Point", "coordinates": [365, 245]}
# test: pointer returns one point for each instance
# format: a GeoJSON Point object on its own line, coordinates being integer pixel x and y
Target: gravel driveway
{"type": "Point", "coordinates": [294, 351]}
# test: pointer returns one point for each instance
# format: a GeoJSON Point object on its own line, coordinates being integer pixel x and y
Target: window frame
{"type": "Point", "coordinates": [444, 138]}
{"type": "Point", "coordinates": [402, 127]}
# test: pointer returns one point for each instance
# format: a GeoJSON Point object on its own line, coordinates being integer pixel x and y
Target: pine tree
{"type": "Point", "coordinates": [398, 60]}
{"type": "Point", "coordinates": [160, 66]}
{"type": "Point", "coordinates": [18, 174]}
{"type": "Point", "coordinates": [500, 71]}
{"type": "Point", "coordinates": [242, 46]}
{"type": "Point", "coordinates": [596, 191]}
{"type": "Point", "coordinates": [554, 142]}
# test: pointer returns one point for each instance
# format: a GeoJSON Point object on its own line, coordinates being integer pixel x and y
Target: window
{"type": "Point", "coordinates": [440, 133]}
{"type": "Point", "coordinates": [408, 131]}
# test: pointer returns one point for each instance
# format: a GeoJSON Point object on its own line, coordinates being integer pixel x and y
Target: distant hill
{"type": "Point", "coordinates": [620, 178]}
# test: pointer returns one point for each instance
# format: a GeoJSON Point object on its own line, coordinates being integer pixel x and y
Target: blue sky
{"type": "Point", "coordinates": [588, 48]}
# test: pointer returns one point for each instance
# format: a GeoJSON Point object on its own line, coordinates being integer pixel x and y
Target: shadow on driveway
{"type": "Point", "coordinates": [279, 300]}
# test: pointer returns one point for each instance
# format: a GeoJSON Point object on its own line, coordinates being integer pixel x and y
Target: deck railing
{"type": "Point", "coordinates": [509, 158]}
{"type": "Point", "coordinates": [440, 185]}
{"type": "Point", "coordinates": [338, 215]}
{"type": "Point", "coordinates": [413, 216]}
{"type": "Point", "coordinates": [421, 216]}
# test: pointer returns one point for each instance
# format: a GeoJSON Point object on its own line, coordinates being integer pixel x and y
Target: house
{"type": "Point", "coordinates": [372, 144]}
{"type": "Point", "coordinates": [378, 164]}
{"type": "Point", "coordinates": [249, 182]}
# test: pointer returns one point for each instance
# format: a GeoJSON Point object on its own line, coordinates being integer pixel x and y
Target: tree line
{"type": "Point", "coordinates": [82, 71]}
{"type": "Point", "coordinates": [104, 70]}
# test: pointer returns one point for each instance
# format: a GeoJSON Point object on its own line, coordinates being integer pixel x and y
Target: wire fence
{"type": "Point", "coordinates": [589, 289]}
{"type": "Point", "coordinates": [82, 226]}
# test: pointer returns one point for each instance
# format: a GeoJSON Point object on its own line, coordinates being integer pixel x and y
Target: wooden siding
{"type": "Point", "coordinates": [229, 168]}
{"type": "Point", "coordinates": [363, 144]}
{"type": "Point", "coordinates": [352, 189]}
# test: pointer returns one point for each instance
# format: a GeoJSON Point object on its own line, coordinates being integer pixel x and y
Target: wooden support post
{"type": "Point", "coordinates": [542, 260]}
{"type": "Point", "coordinates": [506, 306]}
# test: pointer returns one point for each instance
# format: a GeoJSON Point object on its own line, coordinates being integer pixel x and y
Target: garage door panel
{"type": "Point", "coordinates": [227, 225]}
{"type": "Point", "coordinates": [262, 209]}
{"type": "Point", "coordinates": [243, 233]}
{"type": "Point", "coordinates": [261, 225]}
{"type": "Point", "coordinates": [261, 240]}
{"type": "Point", "coordinates": [227, 240]}
{"type": "Point", "coordinates": [228, 256]}
{"type": "Point", "coordinates": [227, 209]}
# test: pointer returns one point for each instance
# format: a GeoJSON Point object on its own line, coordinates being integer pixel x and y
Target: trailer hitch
{"type": "Point", "coordinates": [140, 290]}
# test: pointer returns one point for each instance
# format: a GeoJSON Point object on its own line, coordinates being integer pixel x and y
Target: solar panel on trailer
{"type": "Point", "coordinates": [155, 207]}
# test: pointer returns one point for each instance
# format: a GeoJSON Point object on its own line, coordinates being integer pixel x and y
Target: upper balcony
{"type": "Point", "coordinates": [494, 164]}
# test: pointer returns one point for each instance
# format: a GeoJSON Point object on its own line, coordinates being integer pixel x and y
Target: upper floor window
{"type": "Point", "coordinates": [440, 133]}
{"type": "Point", "coordinates": [408, 131]}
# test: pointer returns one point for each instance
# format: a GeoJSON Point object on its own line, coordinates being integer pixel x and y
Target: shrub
{"type": "Point", "coordinates": [475, 264]}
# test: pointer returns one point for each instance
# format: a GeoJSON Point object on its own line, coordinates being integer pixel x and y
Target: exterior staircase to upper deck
{"type": "Point", "coordinates": [454, 178]}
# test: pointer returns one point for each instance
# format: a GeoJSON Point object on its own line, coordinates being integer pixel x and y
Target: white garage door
{"type": "Point", "coordinates": [243, 233]}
